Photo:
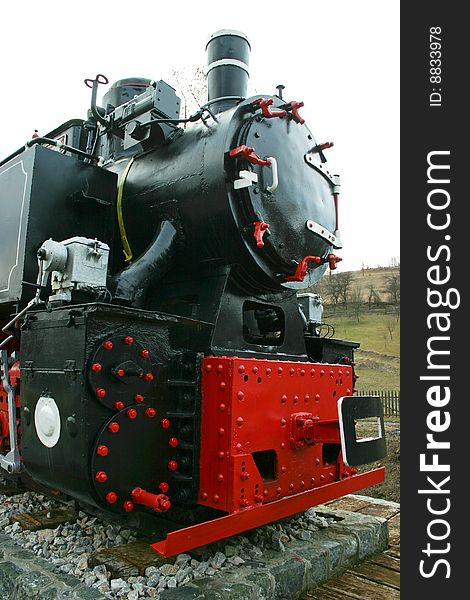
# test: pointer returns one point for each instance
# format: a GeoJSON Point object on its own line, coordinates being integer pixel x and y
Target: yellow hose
{"type": "Point", "coordinates": [122, 229]}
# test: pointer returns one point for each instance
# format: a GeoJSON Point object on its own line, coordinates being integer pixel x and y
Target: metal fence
{"type": "Point", "coordinates": [390, 399]}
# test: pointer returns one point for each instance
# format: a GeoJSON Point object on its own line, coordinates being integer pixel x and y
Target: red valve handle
{"type": "Point", "coordinates": [264, 104]}
{"type": "Point", "coordinates": [260, 229]}
{"type": "Point", "coordinates": [158, 502]}
{"type": "Point", "coordinates": [333, 260]}
{"type": "Point", "coordinates": [302, 269]}
{"type": "Point", "coordinates": [250, 155]}
{"type": "Point", "coordinates": [295, 111]}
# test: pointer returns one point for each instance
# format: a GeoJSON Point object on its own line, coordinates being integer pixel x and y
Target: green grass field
{"type": "Point", "coordinates": [378, 360]}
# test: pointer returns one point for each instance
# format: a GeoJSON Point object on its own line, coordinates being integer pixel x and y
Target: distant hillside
{"type": "Point", "coordinates": [371, 316]}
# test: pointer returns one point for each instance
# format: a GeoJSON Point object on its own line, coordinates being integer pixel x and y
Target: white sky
{"type": "Point", "coordinates": [340, 57]}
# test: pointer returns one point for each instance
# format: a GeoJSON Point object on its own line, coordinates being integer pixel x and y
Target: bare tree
{"type": "Point", "coordinates": [331, 289]}
{"type": "Point", "coordinates": [191, 86]}
{"type": "Point", "coordinates": [373, 296]}
{"type": "Point", "coordinates": [356, 301]}
{"type": "Point", "coordinates": [343, 282]}
{"type": "Point", "coordinates": [391, 324]}
{"type": "Point", "coordinates": [392, 286]}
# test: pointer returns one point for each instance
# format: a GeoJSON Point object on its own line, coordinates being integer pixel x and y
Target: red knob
{"type": "Point", "coordinates": [173, 442]}
{"type": "Point", "coordinates": [96, 367]}
{"type": "Point", "coordinates": [113, 427]}
{"type": "Point", "coordinates": [128, 340]}
{"type": "Point", "coordinates": [172, 465]}
{"type": "Point", "coordinates": [100, 392]}
{"type": "Point", "coordinates": [150, 412]}
{"type": "Point", "coordinates": [128, 506]}
{"type": "Point", "coordinates": [111, 497]}
{"type": "Point", "coordinates": [138, 398]}
{"type": "Point", "coordinates": [164, 487]}
{"type": "Point", "coordinates": [101, 476]}
{"type": "Point", "coordinates": [144, 353]}
{"type": "Point", "coordinates": [102, 450]}
{"type": "Point", "coordinates": [148, 377]}
{"type": "Point", "coordinates": [120, 372]}
{"type": "Point", "coordinates": [131, 413]}
{"type": "Point", "coordinates": [165, 423]}
{"type": "Point", "coordinates": [118, 405]}
{"type": "Point", "coordinates": [108, 345]}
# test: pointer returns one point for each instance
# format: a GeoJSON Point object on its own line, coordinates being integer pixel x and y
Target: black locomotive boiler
{"type": "Point", "coordinates": [160, 362]}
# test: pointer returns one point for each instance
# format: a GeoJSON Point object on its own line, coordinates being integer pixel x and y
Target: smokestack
{"type": "Point", "coordinates": [228, 55]}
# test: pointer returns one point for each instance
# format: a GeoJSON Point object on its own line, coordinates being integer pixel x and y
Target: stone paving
{"type": "Point", "coordinates": [349, 539]}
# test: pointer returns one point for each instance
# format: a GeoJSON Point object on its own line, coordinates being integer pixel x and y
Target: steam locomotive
{"type": "Point", "coordinates": [161, 362]}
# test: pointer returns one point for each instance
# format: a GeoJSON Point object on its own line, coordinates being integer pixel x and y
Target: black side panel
{"type": "Point", "coordinates": [45, 194]}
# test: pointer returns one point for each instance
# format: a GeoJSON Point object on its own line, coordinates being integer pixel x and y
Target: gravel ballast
{"type": "Point", "coordinates": [280, 560]}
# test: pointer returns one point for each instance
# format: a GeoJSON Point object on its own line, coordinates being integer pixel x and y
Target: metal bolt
{"type": "Point", "coordinates": [101, 476]}
{"type": "Point", "coordinates": [96, 367]}
{"type": "Point", "coordinates": [164, 487]}
{"type": "Point", "coordinates": [100, 392]}
{"type": "Point", "coordinates": [128, 506]}
{"type": "Point", "coordinates": [241, 368]}
{"type": "Point", "coordinates": [131, 413]}
{"type": "Point", "coordinates": [279, 88]}
{"type": "Point", "coordinates": [108, 345]}
{"type": "Point", "coordinates": [240, 421]}
{"type": "Point", "coordinates": [102, 450]}
{"type": "Point", "coordinates": [222, 385]}
{"type": "Point", "coordinates": [128, 340]}
{"type": "Point", "coordinates": [144, 353]}
{"type": "Point", "coordinates": [222, 407]}
{"type": "Point", "coordinates": [220, 477]}
{"type": "Point", "coordinates": [111, 497]}
{"type": "Point", "coordinates": [113, 427]}
{"type": "Point", "coordinates": [172, 465]}
{"type": "Point", "coordinates": [150, 412]}
{"type": "Point", "coordinates": [165, 423]}
{"type": "Point", "coordinates": [220, 368]}
{"type": "Point", "coordinates": [119, 405]}
{"type": "Point", "coordinates": [216, 498]}
{"type": "Point", "coordinates": [148, 377]}
{"type": "Point", "coordinates": [120, 372]}
{"type": "Point", "coordinates": [173, 442]}
{"type": "Point", "coordinates": [139, 398]}
{"type": "Point", "coordinates": [240, 395]}
{"type": "Point", "coordinates": [221, 455]}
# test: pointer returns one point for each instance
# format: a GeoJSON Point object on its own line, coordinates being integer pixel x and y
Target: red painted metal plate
{"type": "Point", "coordinates": [249, 452]}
